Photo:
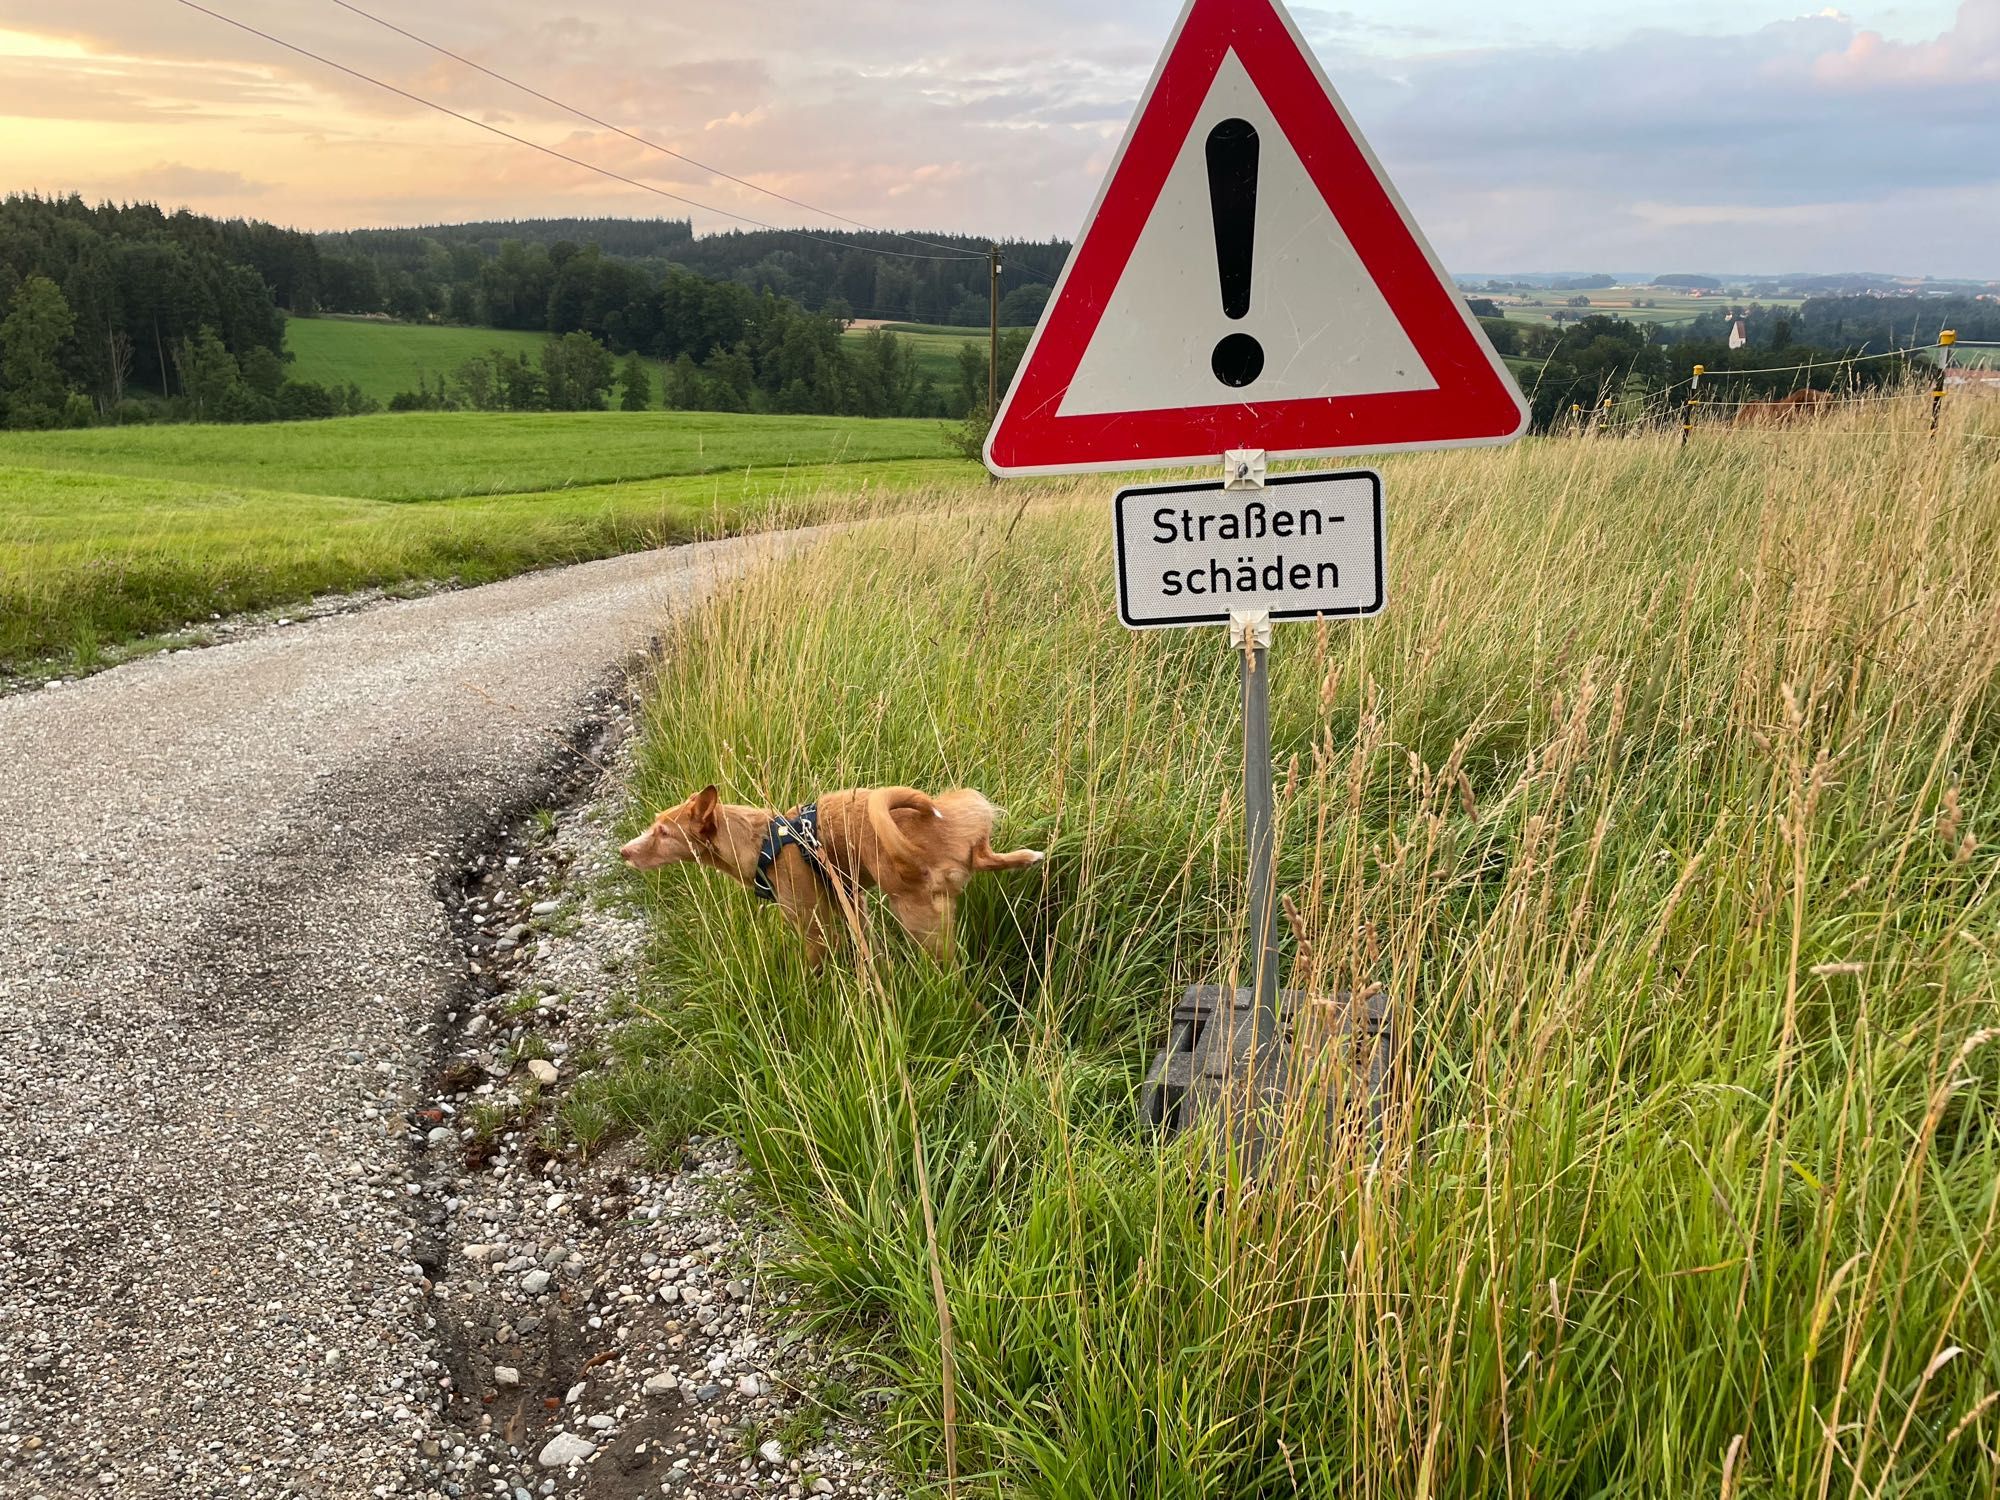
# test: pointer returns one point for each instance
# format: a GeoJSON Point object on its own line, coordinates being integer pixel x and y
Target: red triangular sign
{"type": "Point", "coordinates": [1247, 279]}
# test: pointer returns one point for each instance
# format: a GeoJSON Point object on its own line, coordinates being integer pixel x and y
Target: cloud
{"type": "Point", "coordinates": [1796, 145]}
{"type": "Point", "coordinates": [1965, 56]}
{"type": "Point", "coordinates": [1345, 26]}
{"type": "Point", "coordinates": [177, 180]}
{"type": "Point", "coordinates": [1810, 142]}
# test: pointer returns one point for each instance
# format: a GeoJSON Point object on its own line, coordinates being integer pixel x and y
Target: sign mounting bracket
{"type": "Point", "coordinates": [1245, 469]}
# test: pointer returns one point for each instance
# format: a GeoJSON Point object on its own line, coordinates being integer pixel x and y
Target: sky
{"type": "Point", "coordinates": [1565, 135]}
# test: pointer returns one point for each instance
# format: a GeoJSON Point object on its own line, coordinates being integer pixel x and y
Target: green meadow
{"type": "Point", "coordinates": [383, 357]}
{"type": "Point", "coordinates": [112, 534]}
{"type": "Point", "coordinates": [937, 349]}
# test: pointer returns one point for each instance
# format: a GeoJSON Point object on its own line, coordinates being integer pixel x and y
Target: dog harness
{"type": "Point", "coordinates": [800, 833]}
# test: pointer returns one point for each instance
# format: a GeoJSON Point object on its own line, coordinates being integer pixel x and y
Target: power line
{"type": "Point", "coordinates": [650, 145]}
{"type": "Point", "coordinates": [576, 161]}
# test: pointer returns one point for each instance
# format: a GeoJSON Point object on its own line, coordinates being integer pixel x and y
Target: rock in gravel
{"type": "Point", "coordinates": [543, 1071]}
{"type": "Point", "coordinates": [564, 1449]}
{"type": "Point", "coordinates": [771, 1451]}
{"type": "Point", "coordinates": [544, 908]}
{"type": "Point", "coordinates": [660, 1385]}
{"type": "Point", "coordinates": [535, 1282]}
{"type": "Point", "coordinates": [506, 1375]}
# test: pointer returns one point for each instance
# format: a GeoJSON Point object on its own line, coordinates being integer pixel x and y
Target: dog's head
{"type": "Point", "coordinates": [676, 835]}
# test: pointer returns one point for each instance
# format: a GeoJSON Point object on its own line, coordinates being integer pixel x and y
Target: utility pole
{"type": "Point", "coordinates": [993, 341]}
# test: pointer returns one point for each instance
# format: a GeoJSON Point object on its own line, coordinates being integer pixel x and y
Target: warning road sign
{"type": "Point", "coordinates": [1247, 279]}
{"type": "Point", "coordinates": [1302, 546]}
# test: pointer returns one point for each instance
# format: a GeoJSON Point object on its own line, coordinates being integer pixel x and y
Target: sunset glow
{"type": "Point", "coordinates": [1780, 141]}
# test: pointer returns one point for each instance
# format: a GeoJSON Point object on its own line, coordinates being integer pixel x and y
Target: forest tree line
{"type": "Point", "coordinates": [128, 313]}
{"type": "Point", "coordinates": [123, 312]}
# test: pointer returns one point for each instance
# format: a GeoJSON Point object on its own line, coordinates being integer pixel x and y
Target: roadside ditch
{"type": "Point", "coordinates": [607, 1326]}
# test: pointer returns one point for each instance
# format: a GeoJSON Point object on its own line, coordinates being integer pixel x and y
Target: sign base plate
{"type": "Point", "coordinates": [1342, 1047]}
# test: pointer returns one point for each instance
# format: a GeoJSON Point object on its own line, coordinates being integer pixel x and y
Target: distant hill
{"type": "Point", "coordinates": [630, 239]}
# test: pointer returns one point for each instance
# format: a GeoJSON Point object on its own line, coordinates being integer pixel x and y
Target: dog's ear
{"type": "Point", "coordinates": [704, 811]}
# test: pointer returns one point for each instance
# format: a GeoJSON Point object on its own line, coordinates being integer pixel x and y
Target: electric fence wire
{"type": "Point", "coordinates": [1820, 364]}
{"type": "Point", "coordinates": [1877, 400]}
{"type": "Point", "coordinates": [577, 161]}
{"type": "Point", "coordinates": [1817, 364]}
{"type": "Point", "coordinates": [1659, 407]}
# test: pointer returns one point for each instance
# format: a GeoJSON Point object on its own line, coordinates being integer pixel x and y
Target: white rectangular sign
{"type": "Point", "coordinates": [1305, 545]}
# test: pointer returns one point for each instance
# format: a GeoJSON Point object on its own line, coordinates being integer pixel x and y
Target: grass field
{"type": "Point", "coordinates": [1668, 307]}
{"type": "Point", "coordinates": [1663, 802]}
{"type": "Point", "coordinates": [442, 455]}
{"type": "Point", "coordinates": [114, 534]}
{"type": "Point", "coordinates": [937, 348]}
{"type": "Point", "coordinates": [383, 358]}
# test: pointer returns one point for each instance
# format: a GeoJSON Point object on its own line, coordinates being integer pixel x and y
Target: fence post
{"type": "Point", "coordinates": [1693, 400]}
{"type": "Point", "coordinates": [1945, 342]}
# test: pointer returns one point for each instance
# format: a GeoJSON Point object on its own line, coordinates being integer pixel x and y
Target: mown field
{"type": "Point", "coordinates": [1664, 805]}
{"type": "Point", "coordinates": [114, 534]}
{"type": "Point", "coordinates": [444, 455]}
{"type": "Point", "coordinates": [383, 358]}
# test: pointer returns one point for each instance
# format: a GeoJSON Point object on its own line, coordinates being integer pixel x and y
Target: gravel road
{"type": "Point", "coordinates": [222, 963]}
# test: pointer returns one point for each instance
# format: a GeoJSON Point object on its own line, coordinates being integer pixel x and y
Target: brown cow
{"type": "Point", "coordinates": [1789, 409]}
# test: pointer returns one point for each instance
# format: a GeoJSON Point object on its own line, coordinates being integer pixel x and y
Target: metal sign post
{"type": "Point", "coordinates": [1246, 552]}
{"type": "Point", "coordinates": [1250, 638]}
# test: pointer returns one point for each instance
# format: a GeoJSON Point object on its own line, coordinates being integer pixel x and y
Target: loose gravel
{"type": "Point", "coordinates": [607, 1330]}
{"type": "Point", "coordinates": [226, 970]}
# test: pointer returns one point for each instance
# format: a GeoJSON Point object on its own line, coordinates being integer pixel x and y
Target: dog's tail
{"type": "Point", "coordinates": [886, 801]}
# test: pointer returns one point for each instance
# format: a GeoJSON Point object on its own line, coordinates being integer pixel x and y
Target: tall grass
{"type": "Point", "coordinates": [1662, 803]}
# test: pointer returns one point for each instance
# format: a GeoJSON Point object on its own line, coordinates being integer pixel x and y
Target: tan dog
{"type": "Point", "coordinates": [919, 850]}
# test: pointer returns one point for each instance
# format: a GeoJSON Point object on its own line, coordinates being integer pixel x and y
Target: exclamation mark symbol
{"type": "Point", "coordinates": [1232, 200]}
